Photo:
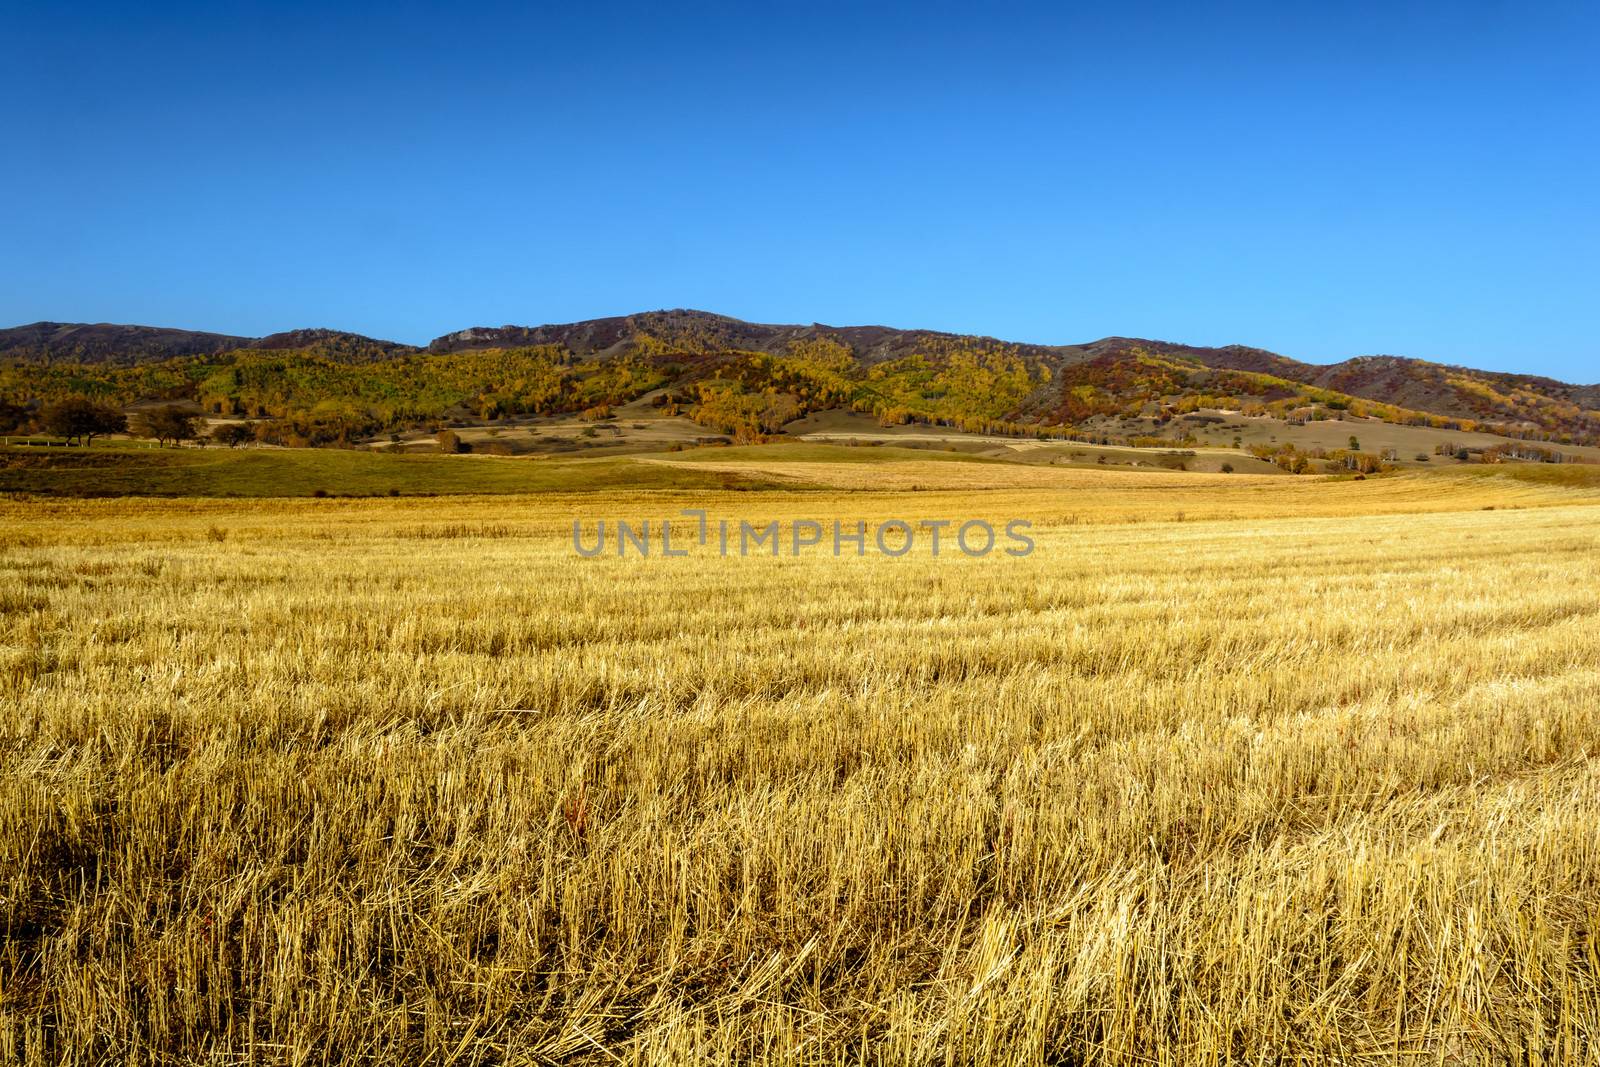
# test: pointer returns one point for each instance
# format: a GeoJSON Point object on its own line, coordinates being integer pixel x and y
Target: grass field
{"type": "Point", "coordinates": [1229, 770]}
{"type": "Point", "coordinates": [113, 471]}
{"type": "Point", "coordinates": [119, 469]}
{"type": "Point", "coordinates": [116, 471]}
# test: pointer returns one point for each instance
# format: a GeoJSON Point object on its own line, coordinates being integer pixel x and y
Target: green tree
{"type": "Point", "coordinates": [12, 416]}
{"type": "Point", "coordinates": [80, 419]}
{"type": "Point", "coordinates": [233, 434]}
{"type": "Point", "coordinates": [170, 423]}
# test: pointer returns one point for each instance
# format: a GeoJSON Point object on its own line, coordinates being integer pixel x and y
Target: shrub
{"type": "Point", "coordinates": [450, 442]}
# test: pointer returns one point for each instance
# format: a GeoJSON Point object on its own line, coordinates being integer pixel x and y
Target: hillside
{"type": "Point", "coordinates": [703, 332]}
{"type": "Point", "coordinates": [1418, 384]}
{"type": "Point", "coordinates": [104, 342]}
{"type": "Point", "coordinates": [748, 379]}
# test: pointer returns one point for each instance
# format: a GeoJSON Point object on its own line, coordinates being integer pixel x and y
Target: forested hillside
{"type": "Point", "coordinates": [748, 379]}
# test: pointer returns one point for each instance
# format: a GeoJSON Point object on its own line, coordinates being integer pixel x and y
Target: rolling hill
{"type": "Point", "coordinates": [111, 343]}
{"type": "Point", "coordinates": [737, 376]}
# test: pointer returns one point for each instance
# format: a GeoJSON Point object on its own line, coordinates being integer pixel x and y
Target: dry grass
{"type": "Point", "coordinates": [389, 781]}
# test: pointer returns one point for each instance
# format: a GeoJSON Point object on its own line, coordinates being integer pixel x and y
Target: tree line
{"type": "Point", "coordinates": [79, 420]}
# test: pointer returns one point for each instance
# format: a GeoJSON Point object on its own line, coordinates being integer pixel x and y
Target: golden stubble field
{"type": "Point", "coordinates": [407, 782]}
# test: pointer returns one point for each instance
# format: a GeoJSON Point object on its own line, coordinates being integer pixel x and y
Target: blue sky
{"type": "Point", "coordinates": [1415, 179]}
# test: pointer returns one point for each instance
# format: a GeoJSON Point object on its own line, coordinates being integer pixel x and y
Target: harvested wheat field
{"type": "Point", "coordinates": [1309, 776]}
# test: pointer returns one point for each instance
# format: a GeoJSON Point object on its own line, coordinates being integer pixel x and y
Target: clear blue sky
{"type": "Point", "coordinates": [1416, 179]}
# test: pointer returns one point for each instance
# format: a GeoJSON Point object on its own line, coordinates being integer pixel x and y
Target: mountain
{"type": "Point", "coordinates": [333, 344]}
{"type": "Point", "coordinates": [704, 332]}
{"type": "Point", "coordinates": [1520, 401]}
{"type": "Point", "coordinates": [1414, 384]}
{"type": "Point", "coordinates": [104, 342]}
{"type": "Point", "coordinates": [922, 375]}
